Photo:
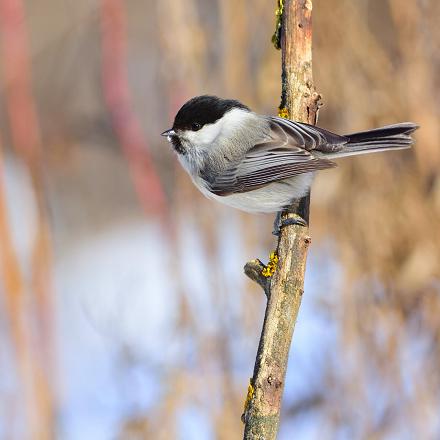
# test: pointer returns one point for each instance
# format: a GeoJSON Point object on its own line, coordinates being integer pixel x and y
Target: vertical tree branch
{"type": "Point", "coordinates": [300, 102]}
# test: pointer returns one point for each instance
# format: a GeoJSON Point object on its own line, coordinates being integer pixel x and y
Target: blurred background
{"type": "Point", "coordinates": [124, 312]}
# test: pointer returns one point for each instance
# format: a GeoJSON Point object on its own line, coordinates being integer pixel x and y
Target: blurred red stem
{"type": "Point", "coordinates": [117, 96]}
{"type": "Point", "coordinates": [35, 364]}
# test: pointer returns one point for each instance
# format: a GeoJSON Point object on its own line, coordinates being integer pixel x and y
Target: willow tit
{"type": "Point", "coordinates": [262, 163]}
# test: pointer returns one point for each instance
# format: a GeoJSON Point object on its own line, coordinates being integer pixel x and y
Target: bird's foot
{"type": "Point", "coordinates": [282, 221]}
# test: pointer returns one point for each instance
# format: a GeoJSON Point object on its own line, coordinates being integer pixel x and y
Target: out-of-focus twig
{"type": "Point", "coordinates": [14, 288]}
{"type": "Point", "coordinates": [117, 96]}
{"type": "Point", "coordinates": [36, 365]}
{"type": "Point", "coordinates": [299, 102]}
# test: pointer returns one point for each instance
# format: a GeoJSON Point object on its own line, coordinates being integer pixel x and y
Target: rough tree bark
{"type": "Point", "coordinates": [299, 101]}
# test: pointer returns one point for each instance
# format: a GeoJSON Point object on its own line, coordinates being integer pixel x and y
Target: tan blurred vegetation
{"type": "Point", "coordinates": [87, 87]}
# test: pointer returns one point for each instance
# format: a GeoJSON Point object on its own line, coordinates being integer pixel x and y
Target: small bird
{"type": "Point", "coordinates": [262, 163]}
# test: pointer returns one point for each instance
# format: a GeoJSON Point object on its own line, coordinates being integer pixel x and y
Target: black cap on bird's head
{"type": "Point", "coordinates": [201, 110]}
{"type": "Point", "coordinates": [196, 113]}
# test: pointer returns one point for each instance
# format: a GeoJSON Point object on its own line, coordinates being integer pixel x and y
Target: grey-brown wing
{"type": "Point", "coordinates": [309, 136]}
{"type": "Point", "coordinates": [287, 152]}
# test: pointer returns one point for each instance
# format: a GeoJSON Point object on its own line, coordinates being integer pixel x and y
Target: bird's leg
{"type": "Point", "coordinates": [285, 219]}
{"type": "Point", "coordinates": [277, 224]}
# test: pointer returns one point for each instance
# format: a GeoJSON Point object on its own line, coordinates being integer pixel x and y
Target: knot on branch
{"type": "Point", "coordinates": [274, 382]}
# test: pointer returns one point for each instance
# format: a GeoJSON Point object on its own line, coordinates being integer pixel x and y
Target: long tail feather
{"type": "Point", "coordinates": [390, 137]}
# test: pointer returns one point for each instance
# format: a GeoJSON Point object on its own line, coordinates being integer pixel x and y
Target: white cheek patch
{"type": "Point", "coordinates": [206, 135]}
{"type": "Point", "coordinates": [225, 126]}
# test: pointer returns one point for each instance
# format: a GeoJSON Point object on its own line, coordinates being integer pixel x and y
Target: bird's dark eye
{"type": "Point", "coordinates": [196, 126]}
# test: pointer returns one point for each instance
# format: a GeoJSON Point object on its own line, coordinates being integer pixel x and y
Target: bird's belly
{"type": "Point", "coordinates": [270, 198]}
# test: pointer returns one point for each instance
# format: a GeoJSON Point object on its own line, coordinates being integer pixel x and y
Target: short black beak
{"type": "Point", "coordinates": [169, 132]}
